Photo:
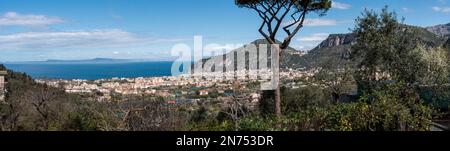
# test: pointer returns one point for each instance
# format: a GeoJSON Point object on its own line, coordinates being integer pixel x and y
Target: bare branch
{"type": "Point", "coordinates": [299, 24]}
{"type": "Point", "coordinates": [293, 15]}
{"type": "Point", "coordinates": [265, 22]}
{"type": "Point", "coordinates": [264, 34]}
{"type": "Point", "coordinates": [273, 15]}
{"type": "Point", "coordinates": [287, 10]}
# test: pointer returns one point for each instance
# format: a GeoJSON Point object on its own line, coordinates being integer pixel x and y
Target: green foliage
{"type": "Point", "coordinates": [319, 6]}
{"type": "Point", "coordinates": [435, 67]}
{"type": "Point", "coordinates": [447, 44]}
{"type": "Point", "coordinates": [200, 115]}
{"type": "Point", "coordinates": [256, 123]}
{"type": "Point", "coordinates": [437, 96]}
{"type": "Point", "coordinates": [297, 99]}
{"type": "Point", "coordinates": [378, 47]}
{"type": "Point", "coordinates": [210, 125]}
{"type": "Point", "coordinates": [397, 74]}
{"type": "Point", "coordinates": [336, 79]}
{"type": "Point", "coordinates": [90, 116]}
{"type": "Point", "coordinates": [386, 108]}
{"type": "Point", "coordinates": [395, 110]}
{"type": "Point", "coordinates": [266, 103]}
{"type": "Point", "coordinates": [33, 106]}
{"type": "Point", "coordinates": [388, 50]}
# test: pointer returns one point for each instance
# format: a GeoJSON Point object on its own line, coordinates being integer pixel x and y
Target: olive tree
{"type": "Point", "coordinates": [388, 50]}
{"type": "Point", "coordinates": [337, 79]}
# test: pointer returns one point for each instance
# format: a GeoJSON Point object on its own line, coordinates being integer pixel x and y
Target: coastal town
{"type": "Point", "coordinates": [175, 90]}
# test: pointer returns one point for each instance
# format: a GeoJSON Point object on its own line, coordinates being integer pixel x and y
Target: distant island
{"type": "Point", "coordinates": [84, 61]}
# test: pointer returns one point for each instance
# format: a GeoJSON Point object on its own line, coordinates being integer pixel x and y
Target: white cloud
{"type": "Point", "coordinates": [16, 19]}
{"type": "Point", "coordinates": [320, 22]}
{"type": "Point", "coordinates": [305, 46]}
{"type": "Point", "coordinates": [338, 5]}
{"type": "Point", "coordinates": [115, 16]}
{"type": "Point", "coordinates": [406, 9]}
{"type": "Point", "coordinates": [314, 37]}
{"type": "Point", "coordinates": [316, 22]}
{"type": "Point", "coordinates": [442, 1]}
{"type": "Point", "coordinates": [298, 47]}
{"type": "Point", "coordinates": [218, 48]}
{"type": "Point", "coordinates": [106, 38]}
{"type": "Point", "coordinates": [441, 9]}
{"type": "Point", "coordinates": [309, 42]}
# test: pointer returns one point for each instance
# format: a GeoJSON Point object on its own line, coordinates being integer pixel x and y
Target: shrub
{"type": "Point", "coordinates": [385, 109]}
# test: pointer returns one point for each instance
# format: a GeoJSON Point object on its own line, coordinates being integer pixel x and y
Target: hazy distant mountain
{"type": "Point", "coordinates": [440, 30]}
{"type": "Point", "coordinates": [85, 61]}
{"type": "Point", "coordinates": [90, 60]}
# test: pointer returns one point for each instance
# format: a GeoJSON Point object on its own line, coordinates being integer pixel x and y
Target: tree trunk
{"type": "Point", "coordinates": [276, 69]}
{"type": "Point", "coordinates": [336, 97]}
{"type": "Point", "coordinates": [278, 102]}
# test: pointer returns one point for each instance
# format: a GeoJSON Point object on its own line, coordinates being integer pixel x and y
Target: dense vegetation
{"type": "Point", "coordinates": [393, 80]}
{"type": "Point", "coordinates": [389, 81]}
{"type": "Point", "coordinates": [33, 106]}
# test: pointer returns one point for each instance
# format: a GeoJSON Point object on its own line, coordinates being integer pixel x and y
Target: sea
{"type": "Point", "coordinates": [92, 71]}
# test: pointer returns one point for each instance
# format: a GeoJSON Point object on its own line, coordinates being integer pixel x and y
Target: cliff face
{"type": "Point", "coordinates": [337, 40]}
{"type": "Point", "coordinates": [336, 47]}
{"type": "Point", "coordinates": [440, 30]}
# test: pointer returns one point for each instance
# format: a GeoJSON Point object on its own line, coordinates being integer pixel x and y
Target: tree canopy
{"type": "Point", "coordinates": [274, 13]}
{"type": "Point", "coordinates": [389, 51]}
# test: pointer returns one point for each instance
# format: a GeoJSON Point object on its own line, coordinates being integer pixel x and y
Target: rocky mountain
{"type": "Point", "coordinates": [337, 40]}
{"type": "Point", "coordinates": [426, 37]}
{"type": "Point", "coordinates": [440, 30]}
{"type": "Point", "coordinates": [337, 48]}
{"type": "Point", "coordinates": [289, 55]}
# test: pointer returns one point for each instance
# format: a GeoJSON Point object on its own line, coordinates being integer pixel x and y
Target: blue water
{"type": "Point", "coordinates": [94, 71]}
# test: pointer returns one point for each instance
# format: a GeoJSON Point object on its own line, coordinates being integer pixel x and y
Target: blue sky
{"type": "Point", "coordinates": [147, 29]}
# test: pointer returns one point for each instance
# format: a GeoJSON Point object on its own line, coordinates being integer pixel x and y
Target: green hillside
{"type": "Point", "coordinates": [337, 48]}
{"type": "Point", "coordinates": [31, 106]}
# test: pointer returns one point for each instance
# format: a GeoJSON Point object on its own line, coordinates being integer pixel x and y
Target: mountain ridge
{"type": "Point", "coordinates": [337, 47]}
{"type": "Point", "coordinates": [442, 30]}
{"type": "Point", "coordinates": [83, 61]}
